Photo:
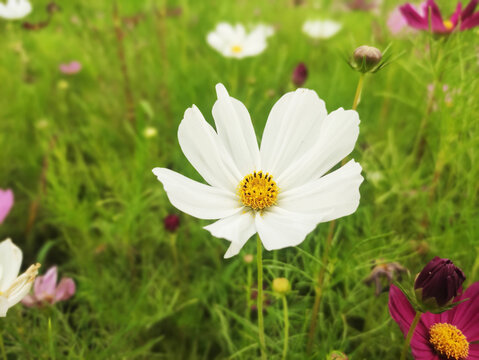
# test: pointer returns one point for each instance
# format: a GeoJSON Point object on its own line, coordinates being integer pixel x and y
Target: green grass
{"type": "Point", "coordinates": [100, 209]}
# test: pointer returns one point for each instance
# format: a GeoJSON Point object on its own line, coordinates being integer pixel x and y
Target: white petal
{"type": "Point", "coordinates": [236, 131]}
{"type": "Point", "coordinates": [196, 199]}
{"type": "Point", "coordinates": [202, 148]}
{"type": "Point", "coordinates": [10, 262]}
{"type": "Point", "coordinates": [20, 288]}
{"type": "Point", "coordinates": [3, 306]}
{"type": "Point", "coordinates": [336, 139]}
{"type": "Point", "coordinates": [330, 197]}
{"type": "Point", "coordinates": [237, 228]}
{"type": "Point", "coordinates": [280, 228]}
{"type": "Point", "coordinates": [291, 128]}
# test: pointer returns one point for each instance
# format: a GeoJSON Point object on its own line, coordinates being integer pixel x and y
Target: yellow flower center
{"type": "Point", "coordinates": [449, 341]}
{"type": "Point", "coordinates": [236, 49]}
{"type": "Point", "coordinates": [258, 190]}
{"type": "Point", "coordinates": [448, 24]}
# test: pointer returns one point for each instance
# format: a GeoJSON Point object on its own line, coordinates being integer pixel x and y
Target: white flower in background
{"type": "Point", "coordinates": [281, 190]}
{"type": "Point", "coordinates": [234, 41]}
{"type": "Point", "coordinates": [13, 288]}
{"type": "Point", "coordinates": [15, 9]}
{"type": "Point", "coordinates": [321, 29]}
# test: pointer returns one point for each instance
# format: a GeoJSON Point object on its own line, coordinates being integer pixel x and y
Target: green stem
{"type": "Point", "coordinates": [259, 300]}
{"type": "Point", "coordinates": [286, 327]}
{"type": "Point", "coordinates": [359, 90]}
{"type": "Point", "coordinates": [410, 334]}
{"type": "Point", "coordinates": [332, 225]}
{"type": "Point", "coordinates": [249, 283]}
{"type": "Point", "coordinates": [2, 347]}
{"type": "Point", "coordinates": [50, 339]}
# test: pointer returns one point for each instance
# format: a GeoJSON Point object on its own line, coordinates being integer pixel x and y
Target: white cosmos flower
{"type": "Point", "coordinates": [234, 41]}
{"type": "Point", "coordinates": [15, 9]}
{"type": "Point", "coordinates": [281, 190]}
{"type": "Point", "coordinates": [321, 29]}
{"type": "Point", "coordinates": [13, 288]}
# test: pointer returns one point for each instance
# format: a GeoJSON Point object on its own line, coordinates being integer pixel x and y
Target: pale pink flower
{"type": "Point", "coordinates": [397, 22]}
{"type": "Point", "coordinates": [46, 290]}
{"type": "Point", "coordinates": [6, 203]}
{"type": "Point", "coordinates": [70, 68]}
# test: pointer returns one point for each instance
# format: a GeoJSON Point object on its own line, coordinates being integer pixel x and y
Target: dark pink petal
{"type": "Point", "coordinates": [420, 344]}
{"type": "Point", "coordinates": [470, 22]}
{"type": "Point", "coordinates": [45, 285]}
{"type": "Point", "coordinates": [6, 203]}
{"type": "Point", "coordinates": [403, 313]}
{"type": "Point", "coordinates": [469, 10]}
{"type": "Point", "coordinates": [473, 352]}
{"type": "Point", "coordinates": [29, 301]}
{"type": "Point", "coordinates": [400, 309]}
{"type": "Point", "coordinates": [65, 290]}
{"type": "Point", "coordinates": [413, 18]}
{"type": "Point", "coordinates": [457, 14]}
{"type": "Point", "coordinates": [432, 10]}
{"type": "Point", "coordinates": [466, 316]}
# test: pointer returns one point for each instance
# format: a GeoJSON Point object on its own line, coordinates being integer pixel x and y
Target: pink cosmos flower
{"type": "Point", "coordinates": [6, 203]}
{"type": "Point", "coordinates": [46, 290]}
{"type": "Point", "coordinates": [70, 68]}
{"type": "Point", "coordinates": [431, 17]}
{"type": "Point", "coordinates": [451, 335]}
{"type": "Point", "coordinates": [397, 22]}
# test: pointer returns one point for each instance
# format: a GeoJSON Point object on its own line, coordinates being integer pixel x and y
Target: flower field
{"type": "Point", "coordinates": [242, 179]}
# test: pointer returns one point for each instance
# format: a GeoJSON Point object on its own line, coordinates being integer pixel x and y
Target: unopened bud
{"type": "Point", "coordinates": [366, 58]}
{"type": "Point", "coordinates": [171, 222]}
{"type": "Point", "coordinates": [248, 258]}
{"type": "Point", "coordinates": [281, 286]}
{"type": "Point", "coordinates": [300, 74]}
{"type": "Point", "coordinates": [438, 283]}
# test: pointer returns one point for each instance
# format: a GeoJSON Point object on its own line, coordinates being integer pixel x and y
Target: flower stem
{"type": "Point", "coordinates": [329, 240]}
{"type": "Point", "coordinates": [249, 283]}
{"type": "Point", "coordinates": [2, 347]}
{"type": "Point", "coordinates": [259, 300]}
{"type": "Point", "coordinates": [359, 90]}
{"type": "Point", "coordinates": [286, 327]}
{"type": "Point", "coordinates": [410, 333]}
{"type": "Point", "coordinates": [50, 339]}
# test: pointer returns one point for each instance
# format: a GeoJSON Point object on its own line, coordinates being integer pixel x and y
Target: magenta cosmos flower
{"type": "Point", "coordinates": [46, 290]}
{"type": "Point", "coordinates": [451, 335]}
{"type": "Point", "coordinates": [461, 19]}
{"type": "Point", "coordinates": [6, 203]}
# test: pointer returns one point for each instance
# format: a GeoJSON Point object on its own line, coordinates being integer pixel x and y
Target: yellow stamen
{"type": "Point", "coordinates": [236, 49]}
{"type": "Point", "coordinates": [258, 190]}
{"type": "Point", "coordinates": [449, 341]}
{"type": "Point", "coordinates": [448, 24]}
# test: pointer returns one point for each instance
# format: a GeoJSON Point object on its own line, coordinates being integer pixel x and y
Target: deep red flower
{"type": "Point", "coordinates": [455, 331]}
{"type": "Point", "coordinates": [440, 280]}
{"type": "Point", "coordinates": [461, 19]}
{"type": "Point", "coordinates": [300, 74]}
{"type": "Point", "coordinates": [171, 222]}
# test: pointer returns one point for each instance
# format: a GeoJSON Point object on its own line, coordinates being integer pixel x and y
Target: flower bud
{"type": "Point", "coordinates": [248, 258]}
{"type": "Point", "coordinates": [337, 355]}
{"type": "Point", "coordinates": [300, 74]}
{"type": "Point", "coordinates": [366, 58]}
{"type": "Point", "coordinates": [438, 283]}
{"type": "Point", "coordinates": [281, 286]}
{"type": "Point", "coordinates": [171, 222]}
